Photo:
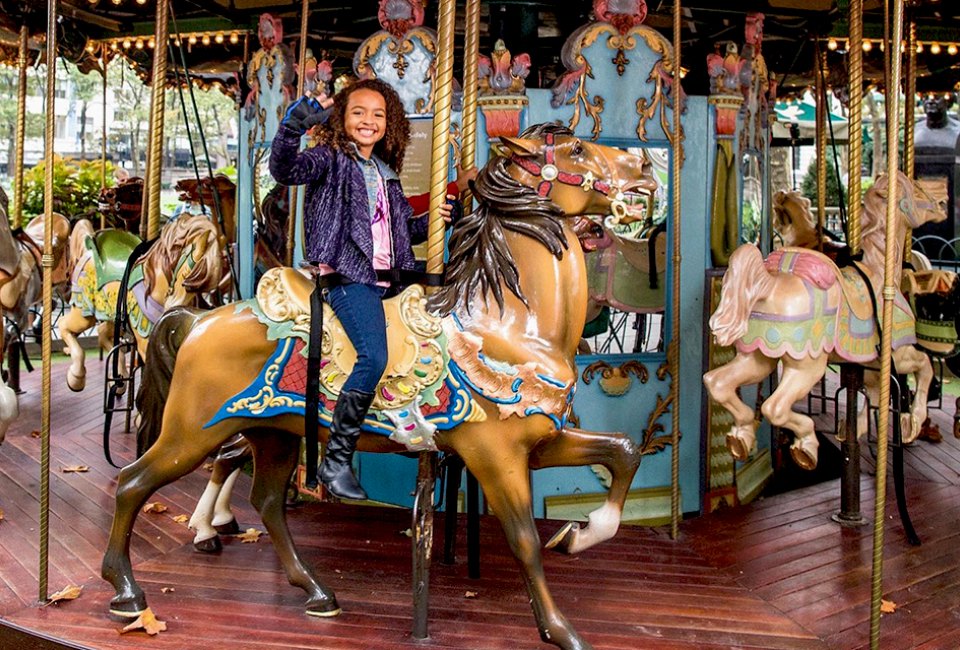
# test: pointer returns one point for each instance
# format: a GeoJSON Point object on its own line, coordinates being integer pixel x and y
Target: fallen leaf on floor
{"type": "Point", "coordinates": [887, 606]}
{"type": "Point", "coordinates": [181, 519]}
{"type": "Point", "coordinates": [154, 506]}
{"type": "Point", "coordinates": [166, 590]}
{"type": "Point", "coordinates": [208, 467]}
{"type": "Point", "coordinates": [251, 536]}
{"type": "Point", "coordinates": [75, 468]}
{"type": "Point", "coordinates": [35, 433]}
{"type": "Point", "coordinates": [407, 533]}
{"type": "Point", "coordinates": [67, 593]}
{"type": "Point", "coordinates": [146, 622]}
{"type": "Point", "coordinates": [470, 594]}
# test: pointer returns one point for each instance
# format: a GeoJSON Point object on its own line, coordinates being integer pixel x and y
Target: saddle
{"type": "Point", "coordinates": [818, 269]}
{"type": "Point", "coordinates": [415, 356]}
{"type": "Point", "coordinates": [935, 299]}
{"type": "Point", "coordinates": [110, 250]}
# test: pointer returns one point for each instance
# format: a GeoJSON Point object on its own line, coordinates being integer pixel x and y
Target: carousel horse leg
{"type": "Point", "coordinates": [164, 462]}
{"type": "Point", "coordinates": [224, 521]}
{"type": "Point", "coordinates": [576, 447]}
{"type": "Point", "coordinates": [503, 474]}
{"type": "Point", "coordinates": [70, 325]}
{"type": "Point", "coordinates": [796, 381]}
{"type": "Point", "coordinates": [722, 384]}
{"type": "Point", "coordinates": [276, 454]}
{"type": "Point", "coordinates": [213, 516]}
{"type": "Point", "coordinates": [908, 360]}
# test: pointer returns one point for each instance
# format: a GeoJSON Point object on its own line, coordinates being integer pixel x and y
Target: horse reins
{"type": "Point", "coordinates": [548, 172]}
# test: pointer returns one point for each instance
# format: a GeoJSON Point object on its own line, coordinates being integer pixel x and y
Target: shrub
{"type": "Point", "coordinates": [76, 187]}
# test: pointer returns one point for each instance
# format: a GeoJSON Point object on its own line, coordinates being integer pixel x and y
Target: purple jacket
{"type": "Point", "coordinates": [336, 220]}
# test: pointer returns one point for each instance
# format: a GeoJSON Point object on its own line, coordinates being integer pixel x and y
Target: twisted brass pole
{"type": "Point", "coordinates": [157, 104]}
{"type": "Point", "coordinates": [676, 141]}
{"type": "Point", "coordinates": [103, 135]}
{"type": "Point", "coordinates": [426, 467]}
{"type": "Point", "coordinates": [46, 321]}
{"type": "Point", "coordinates": [294, 215]}
{"type": "Point", "coordinates": [886, 329]}
{"type": "Point", "coordinates": [822, 115]}
{"type": "Point", "coordinates": [21, 129]}
{"type": "Point", "coordinates": [909, 110]}
{"type": "Point", "coordinates": [855, 126]}
{"type": "Point", "coordinates": [471, 55]}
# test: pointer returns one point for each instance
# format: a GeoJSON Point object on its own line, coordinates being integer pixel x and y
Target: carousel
{"type": "Point", "coordinates": [641, 379]}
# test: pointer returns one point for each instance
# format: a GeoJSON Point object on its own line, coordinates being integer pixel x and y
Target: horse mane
{"type": "Point", "coordinates": [480, 260]}
{"type": "Point", "coordinates": [165, 253]}
{"type": "Point", "coordinates": [873, 234]}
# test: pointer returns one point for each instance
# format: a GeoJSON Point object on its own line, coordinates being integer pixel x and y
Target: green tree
{"type": "Point", "coordinates": [9, 80]}
{"type": "Point", "coordinates": [132, 107]}
{"type": "Point", "coordinates": [76, 187]}
{"type": "Point", "coordinates": [809, 186]}
{"type": "Point", "coordinates": [85, 88]}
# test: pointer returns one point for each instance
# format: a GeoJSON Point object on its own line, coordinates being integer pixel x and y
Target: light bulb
{"type": "Point", "coordinates": [218, 38]}
{"type": "Point", "coordinates": [114, 45]}
{"type": "Point", "coordinates": [206, 39]}
{"type": "Point", "coordinates": [919, 47]}
{"type": "Point", "coordinates": [935, 48]}
{"type": "Point", "coordinates": [151, 43]}
{"type": "Point", "coordinates": [832, 44]}
{"type": "Point", "coordinates": [952, 49]}
{"type": "Point", "coordinates": [192, 39]}
{"type": "Point", "coordinates": [139, 43]}
{"type": "Point", "coordinates": [91, 48]}
{"type": "Point", "coordinates": [234, 38]}
{"type": "Point", "coordinates": [867, 46]}
{"type": "Point", "coordinates": [126, 43]}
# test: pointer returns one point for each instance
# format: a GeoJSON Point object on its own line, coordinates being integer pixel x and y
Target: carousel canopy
{"type": "Point", "coordinates": [224, 31]}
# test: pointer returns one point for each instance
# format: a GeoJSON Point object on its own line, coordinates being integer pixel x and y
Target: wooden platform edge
{"type": "Point", "coordinates": [15, 636]}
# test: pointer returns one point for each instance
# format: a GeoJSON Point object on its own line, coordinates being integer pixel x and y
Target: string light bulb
{"type": "Point", "coordinates": [832, 44]}
{"type": "Point", "coordinates": [127, 43]}
{"type": "Point", "coordinates": [206, 39]}
{"type": "Point", "coordinates": [192, 39]}
{"type": "Point", "coordinates": [952, 49]}
{"type": "Point", "coordinates": [218, 38]}
{"type": "Point", "coordinates": [141, 2]}
{"type": "Point", "coordinates": [867, 46]}
{"type": "Point", "coordinates": [234, 38]}
{"type": "Point", "coordinates": [935, 48]}
{"type": "Point", "coordinates": [919, 47]}
{"type": "Point", "coordinates": [139, 44]}
{"type": "Point", "coordinates": [151, 43]}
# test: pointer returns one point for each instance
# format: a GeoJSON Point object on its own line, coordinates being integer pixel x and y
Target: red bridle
{"type": "Point", "coordinates": [549, 172]}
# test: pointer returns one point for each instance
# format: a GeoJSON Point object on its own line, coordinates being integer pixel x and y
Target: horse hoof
{"type": "Point", "coordinates": [741, 442]}
{"type": "Point", "coordinates": [326, 608]}
{"type": "Point", "coordinates": [804, 455]}
{"type": "Point", "coordinates": [229, 528]}
{"type": "Point", "coordinates": [209, 545]}
{"type": "Point", "coordinates": [128, 607]}
{"type": "Point", "coordinates": [76, 383]}
{"type": "Point", "coordinates": [562, 541]}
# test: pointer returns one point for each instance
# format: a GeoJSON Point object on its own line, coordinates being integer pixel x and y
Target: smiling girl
{"type": "Point", "coordinates": [357, 221]}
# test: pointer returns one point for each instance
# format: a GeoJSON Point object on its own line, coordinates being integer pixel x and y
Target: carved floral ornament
{"type": "Point", "coordinates": [503, 90]}
{"type": "Point", "coordinates": [619, 23]}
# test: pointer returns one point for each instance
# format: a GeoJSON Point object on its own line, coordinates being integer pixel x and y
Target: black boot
{"type": "Point", "coordinates": [336, 471]}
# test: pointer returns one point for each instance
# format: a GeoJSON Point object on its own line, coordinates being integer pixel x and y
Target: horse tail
{"type": "Point", "coordinates": [165, 341]}
{"type": "Point", "coordinates": [745, 282]}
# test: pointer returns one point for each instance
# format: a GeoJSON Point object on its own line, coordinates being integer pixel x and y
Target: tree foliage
{"type": "Point", "coordinates": [809, 186]}
{"type": "Point", "coordinates": [76, 187]}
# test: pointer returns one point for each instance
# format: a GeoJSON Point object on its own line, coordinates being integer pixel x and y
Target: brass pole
{"type": "Point", "coordinates": [909, 110]}
{"type": "Point", "coordinates": [21, 129]}
{"type": "Point", "coordinates": [674, 348]}
{"type": "Point", "coordinates": [855, 126]}
{"type": "Point", "coordinates": [157, 104]}
{"type": "Point", "coordinates": [471, 55]}
{"type": "Point", "coordinates": [294, 216]}
{"type": "Point", "coordinates": [103, 138]}
{"type": "Point", "coordinates": [46, 321]}
{"type": "Point", "coordinates": [822, 114]}
{"type": "Point", "coordinates": [886, 329]}
{"type": "Point", "coordinates": [426, 468]}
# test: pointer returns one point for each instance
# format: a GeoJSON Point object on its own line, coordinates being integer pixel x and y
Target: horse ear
{"type": "Point", "coordinates": [518, 147]}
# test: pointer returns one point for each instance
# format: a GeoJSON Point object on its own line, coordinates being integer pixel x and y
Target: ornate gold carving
{"type": "Point", "coordinates": [593, 109]}
{"type": "Point", "coordinates": [615, 381]}
{"type": "Point", "coordinates": [517, 390]}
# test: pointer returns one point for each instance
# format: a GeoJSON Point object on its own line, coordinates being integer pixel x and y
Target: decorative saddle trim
{"type": "Point", "coordinates": [415, 341]}
{"type": "Point", "coordinates": [819, 270]}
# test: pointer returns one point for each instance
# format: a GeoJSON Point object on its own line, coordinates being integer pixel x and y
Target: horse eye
{"type": "Point", "coordinates": [577, 148]}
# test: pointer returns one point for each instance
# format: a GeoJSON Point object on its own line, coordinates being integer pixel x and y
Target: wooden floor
{"type": "Point", "coordinates": [776, 574]}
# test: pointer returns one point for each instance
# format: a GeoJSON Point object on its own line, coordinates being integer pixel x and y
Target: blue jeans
{"type": "Point", "coordinates": [360, 310]}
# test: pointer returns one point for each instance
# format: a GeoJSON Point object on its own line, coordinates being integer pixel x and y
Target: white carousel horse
{"type": "Point", "coordinates": [799, 309]}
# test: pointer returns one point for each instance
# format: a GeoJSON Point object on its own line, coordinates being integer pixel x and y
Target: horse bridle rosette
{"type": "Point", "coordinates": [549, 173]}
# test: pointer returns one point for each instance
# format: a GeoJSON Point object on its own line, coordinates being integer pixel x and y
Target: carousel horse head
{"type": "Point", "coordinates": [914, 202]}
{"type": "Point", "coordinates": [187, 258]}
{"type": "Point", "coordinates": [793, 219]}
{"type": "Point", "coordinates": [218, 192]}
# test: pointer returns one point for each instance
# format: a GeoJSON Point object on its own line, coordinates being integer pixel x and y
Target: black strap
{"type": "Point", "coordinates": [311, 417]}
{"type": "Point", "coordinates": [396, 277]}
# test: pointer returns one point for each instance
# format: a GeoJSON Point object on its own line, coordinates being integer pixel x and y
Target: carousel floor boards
{"type": "Point", "coordinates": [776, 574]}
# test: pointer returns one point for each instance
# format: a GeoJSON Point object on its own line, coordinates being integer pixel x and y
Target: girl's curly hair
{"type": "Point", "coordinates": [393, 146]}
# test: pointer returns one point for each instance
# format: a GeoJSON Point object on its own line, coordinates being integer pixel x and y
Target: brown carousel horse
{"type": "Point", "coordinates": [801, 310]}
{"type": "Point", "coordinates": [797, 227]}
{"type": "Point", "coordinates": [495, 374]}
{"type": "Point", "coordinates": [122, 205]}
